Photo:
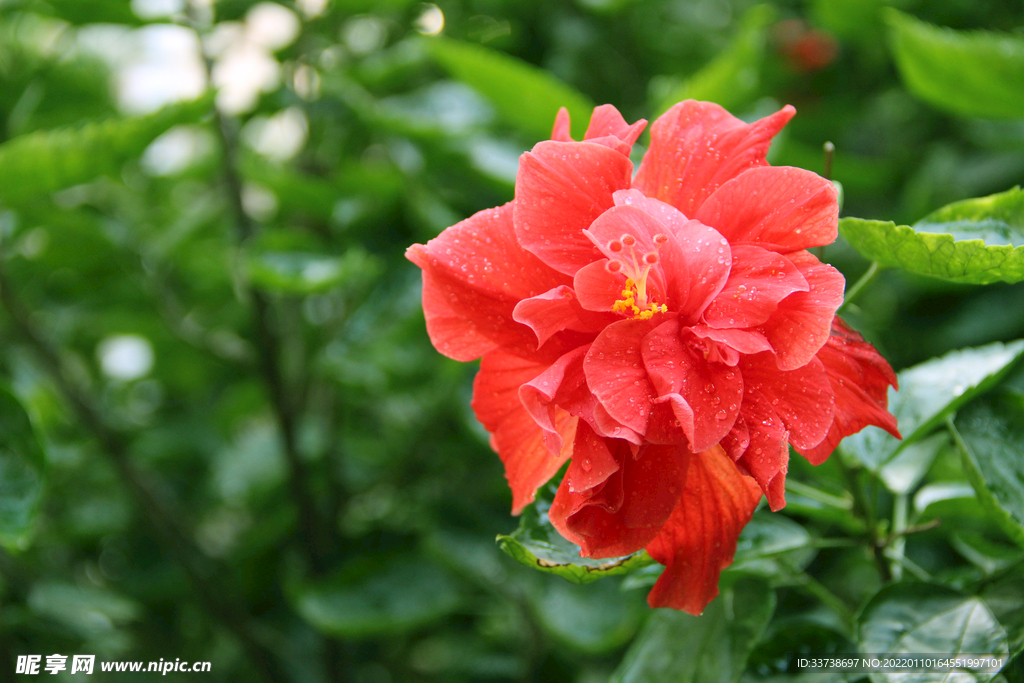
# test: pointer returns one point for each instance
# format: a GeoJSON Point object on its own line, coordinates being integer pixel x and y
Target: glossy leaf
{"type": "Point", "coordinates": [922, 618]}
{"type": "Point", "coordinates": [991, 435]}
{"type": "Point", "coordinates": [772, 546]}
{"type": "Point", "coordinates": [21, 473]}
{"type": "Point", "coordinates": [711, 648]}
{"type": "Point", "coordinates": [967, 73]}
{"type": "Point", "coordinates": [731, 79]}
{"type": "Point", "coordinates": [930, 391]}
{"type": "Point", "coordinates": [976, 241]}
{"type": "Point", "coordinates": [537, 544]}
{"type": "Point", "coordinates": [1005, 597]}
{"type": "Point", "coordinates": [525, 96]}
{"type": "Point", "coordinates": [46, 161]}
{"type": "Point", "coordinates": [591, 619]}
{"type": "Point", "coordinates": [400, 596]}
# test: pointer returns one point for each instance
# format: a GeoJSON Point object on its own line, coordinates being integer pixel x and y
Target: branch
{"type": "Point", "coordinates": [268, 345]}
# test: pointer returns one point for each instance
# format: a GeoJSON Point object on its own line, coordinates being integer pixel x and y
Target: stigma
{"type": "Point", "coordinates": [623, 258]}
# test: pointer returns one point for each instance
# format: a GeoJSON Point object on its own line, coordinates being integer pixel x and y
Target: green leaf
{"type": "Point", "coordinates": [46, 161]}
{"type": "Point", "coordinates": [903, 473]}
{"type": "Point", "coordinates": [1005, 598]}
{"type": "Point", "coordinates": [525, 96]}
{"type": "Point", "coordinates": [401, 596]}
{"type": "Point", "coordinates": [975, 241]}
{"type": "Point", "coordinates": [923, 618]}
{"type": "Point", "coordinates": [21, 473]}
{"type": "Point", "coordinates": [991, 436]}
{"type": "Point", "coordinates": [591, 619]}
{"type": "Point", "coordinates": [968, 73]}
{"type": "Point", "coordinates": [987, 555]}
{"type": "Point", "coordinates": [302, 273]}
{"type": "Point", "coordinates": [87, 610]}
{"type": "Point", "coordinates": [732, 78]}
{"type": "Point", "coordinates": [537, 544]}
{"type": "Point", "coordinates": [930, 391]}
{"type": "Point", "coordinates": [772, 546]}
{"type": "Point", "coordinates": [712, 648]}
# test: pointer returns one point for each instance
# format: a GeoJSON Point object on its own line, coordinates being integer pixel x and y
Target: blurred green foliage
{"type": "Point", "coordinates": [228, 438]}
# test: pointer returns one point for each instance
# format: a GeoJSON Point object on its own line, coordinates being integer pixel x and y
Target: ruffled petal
{"type": "Point", "coordinates": [607, 121]}
{"type": "Point", "coordinates": [699, 540]}
{"type": "Point", "coordinates": [561, 130]}
{"type": "Point", "coordinates": [693, 261]}
{"type": "Point", "coordinates": [801, 323]}
{"type": "Point", "coordinates": [619, 223]}
{"type": "Point", "coordinates": [481, 272]}
{"type": "Point", "coordinates": [597, 289]}
{"type": "Point", "coordinates": [450, 333]}
{"type": "Point", "coordinates": [741, 341]}
{"type": "Point", "coordinates": [802, 398]}
{"type": "Point", "coordinates": [556, 310]}
{"type": "Point", "coordinates": [704, 396]}
{"type": "Point", "coordinates": [561, 188]}
{"type": "Point", "coordinates": [778, 207]}
{"type": "Point", "coordinates": [758, 281]}
{"type": "Point", "coordinates": [698, 146]}
{"type": "Point", "coordinates": [515, 435]}
{"type": "Point", "coordinates": [615, 373]}
{"type": "Point", "coordinates": [766, 457]}
{"type": "Point", "coordinates": [781, 407]}
{"type": "Point", "coordinates": [622, 512]}
{"type": "Point", "coordinates": [860, 379]}
{"type": "Point", "coordinates": [560, 388]}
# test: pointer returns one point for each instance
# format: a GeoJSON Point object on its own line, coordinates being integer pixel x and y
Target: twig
{"type": "Point", "coordinates": [866, 279]}
{"type": "Point", "coordinates": [866, 512]}
{"type": "Point", "coordinates": [268, 345]}
{"type": "Point", "coordinates": [232, 616]}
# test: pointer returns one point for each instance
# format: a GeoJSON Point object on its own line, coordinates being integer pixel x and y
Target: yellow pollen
{"type": "Point", "coordinates": [632, 294]}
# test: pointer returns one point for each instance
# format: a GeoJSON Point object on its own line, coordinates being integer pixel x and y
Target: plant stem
{"type": "Point", "coordinates": [898, 542]}
{"type": "Point", "coordinates": [233, 616]}
{"type": "Point", "coordinates": [268, 345]}
{"type": "Point", "coordinates": [866, 279]}
{"type": "Point", "coordinates": [863, 509]}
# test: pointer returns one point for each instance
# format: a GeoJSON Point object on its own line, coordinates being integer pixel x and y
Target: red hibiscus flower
{"type": "Point", "coordinates": [667, 333]}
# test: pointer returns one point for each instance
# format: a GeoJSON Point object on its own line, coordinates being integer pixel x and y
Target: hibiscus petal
{"type": "Point", "coordinates": [606, 120]}
{"type": "Point", "coordinates": [450, 333]}
{"type": "Point", "coordinates": [778, 207]}
{"type": "Point", "coordinates": [758, 281]}
{"type": "Point", "coordinates": [592, 463]}
{"type": "Point", "coordinates": [480, 270]}
{"type": "Point", "coordinates": [561, 188]}
{"type": "Point", "coordinates": [743, 341]}
{"type": "Point", "coordinates": [561, 130]}
{"type": "Point", "coordinates": [693, 261]}
{"type": "Point", "coordinates": [705, 397]}
{"type": "Point", "coordinates": [596, 288]}
{"type": "Point", "coordinates": [556, 310]}
{"type": "Point", "coordinates": [697, 146]}
{"type": "Point", "coordinates": [801, 323]}
{"type": "Point", "coordinates": [802, 398]}
{"type": "Point", "coordinates": [699, 539]}
{"type": "Point", "coordinates": [766, 458]}
{"type": "Point", "coordinates": [615, 373]}
{"type": "Point", "coordinates": [514, 434]}
{"type": "Point", "coordinates": [860, 379]}
{"type": "Point", "coordinates": [627, 510]}
{"type": "Point", "coordinates": [560, 387]}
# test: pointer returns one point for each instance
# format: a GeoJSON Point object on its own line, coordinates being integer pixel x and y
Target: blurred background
{"type": "Point", "coordinates": [253, 456]}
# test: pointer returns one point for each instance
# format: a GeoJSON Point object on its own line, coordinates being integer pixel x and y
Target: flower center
{"type": "Point", "coordinates": [624, 259]}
